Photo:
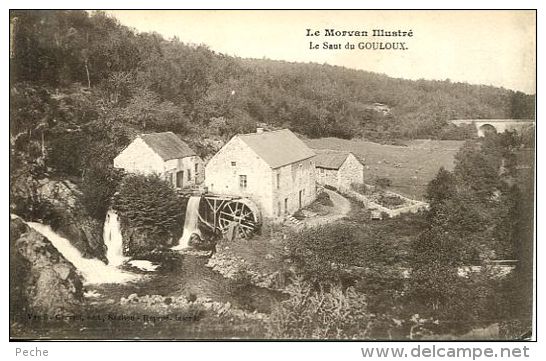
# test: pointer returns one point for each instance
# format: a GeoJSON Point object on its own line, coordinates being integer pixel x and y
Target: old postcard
{"type": "Point", "coordinates": [323, 175]}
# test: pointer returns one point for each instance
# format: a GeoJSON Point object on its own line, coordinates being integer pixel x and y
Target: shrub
{"type": "Point", "coordinates": [321, 253]}
{"type": "Point", "coordinates": [324, 199]}
{"type": "Point", "coordinates": [241, 281]}
{"type": "Point", "coordinates": [383, 182]}
{"type": "Point", "coordinates": [65, 153]}
{"type": "Point", "coordinates": [150, 212]}
{"type": "Point", "coordinates": [98, 186]}
{"type": "Point", "coordinates": [299, 215]}
{"type": "Point", "coordinates": [319, 314]}
{"type": "Point", "coordinates": [390, 201]}
{"type": "Point", "coordinates": [360, 188]}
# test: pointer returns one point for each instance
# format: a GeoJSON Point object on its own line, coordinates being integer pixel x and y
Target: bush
{"type": "Point", "coordinates": [390, 201]}
{"type": "Point", "coordinates": [360, 188]}
{"type": "Point", "coordinates": [299, 215]}
{"type": "Point", "coordinates": [383, 182]}
{"type": "Point", "coordinates": [65, 153]}
{"type": "Point", "coordinates": [98, 187]}
{"type": "Point", "coordinates": [324, 199]}
{"type": "Point", "coordinates": [150, 212]}
{"type": "Point", "coordinates": [322, 253]}
{"type": "Point", "coordinates": [319, 314]}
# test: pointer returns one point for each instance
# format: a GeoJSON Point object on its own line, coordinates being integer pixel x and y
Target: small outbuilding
{"type": "Point", "coordinates": [338, 169]}
{"type": "Point", "coordinates": [164, 154]}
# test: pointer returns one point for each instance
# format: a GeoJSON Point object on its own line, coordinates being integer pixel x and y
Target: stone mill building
{"type": "Point", "coordinates": [338, 169]}
{"type": "Point", "coordinates": [164, 154]}
{"type": "Point", "coordinates": [274, 169]}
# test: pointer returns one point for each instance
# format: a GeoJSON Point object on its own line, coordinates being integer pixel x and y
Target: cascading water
{"type": "Point", "coordinates": [113, 239]}
{"type": "Point", "coordinates": [92, 270]}
{"type": "Point", "coordinates": [191, 223]}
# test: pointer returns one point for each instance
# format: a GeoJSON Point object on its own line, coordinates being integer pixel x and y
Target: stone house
{"type": "Point", "coordinates": [338, 169]}
{"type": "Point", "coordinates": [274, 169]}
{"type": "Point", "coordinates": [164, 154]}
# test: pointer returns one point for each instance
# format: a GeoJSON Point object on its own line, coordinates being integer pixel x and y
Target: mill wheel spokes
{"type": "Point", "coordinates": [240, 214]}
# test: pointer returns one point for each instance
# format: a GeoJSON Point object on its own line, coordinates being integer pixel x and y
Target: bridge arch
{"type": "Point", "coordinates": [485, 129]}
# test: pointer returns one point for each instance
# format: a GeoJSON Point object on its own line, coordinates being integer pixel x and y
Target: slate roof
{"type": "Point", "coordinates": [167, 145]}
{"type": "Point", "coordinates": [330, 159]}
{"type": "Point", "coordinates": [277, 148]}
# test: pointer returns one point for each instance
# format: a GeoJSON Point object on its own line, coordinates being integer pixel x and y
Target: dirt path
{"type": "Point", "coordinates": [341, 208]}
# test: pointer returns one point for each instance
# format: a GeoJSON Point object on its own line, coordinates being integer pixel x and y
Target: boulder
{"type": "Point", "coordinates": [57, 203]}
{"type": "Point", "coordinates": [43, 281]}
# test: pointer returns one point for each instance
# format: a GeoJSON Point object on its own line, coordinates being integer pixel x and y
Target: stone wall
{"type": "Point", "coordinates": [138, 157]}
{"type": "Point", "coordinates": [295, 177]}
{"type": "Point", "coordinates": [188, 166]}
{"type": "Point", "coordinates": [327, 177]}
{"type": "Point", "coordinates": [412, 206]}
{"type": "Point", "coordinates": [223, 171]}
{"type": "Point", "coordinates": [351, 171]}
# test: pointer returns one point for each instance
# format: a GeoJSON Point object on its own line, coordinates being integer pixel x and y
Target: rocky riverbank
{"type": "Point", "coordinates": [43, 281]}
{"type": "Point", "coordinates": [233, 266]}
{"type": "Point", "coordinates": [57, 203]}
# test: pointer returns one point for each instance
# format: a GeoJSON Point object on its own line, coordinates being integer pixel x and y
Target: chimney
{"type": "Point", "coordinates": [259, 130]}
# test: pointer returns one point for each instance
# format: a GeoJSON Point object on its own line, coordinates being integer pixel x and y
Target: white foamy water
{"type": "Point", "coordinates": [190, 223]}
{"type": "Point", "coordinates": [91, 294]}
{"type": "Point", "coordinates": [92, 270]}
{"type": "Point", "coordinates": [143, 265]}
{"type": "Point", "coordinates": [113, 239]}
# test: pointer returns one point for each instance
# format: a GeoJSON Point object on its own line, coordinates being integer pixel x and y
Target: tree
{"type": "Point", "coordinates": [441, 188]}
{"type": "Point", "coordinates": [383, 182]}
{"type": "Point", "coordinates": [151, 213]}
{"type": "Point", "coordinates": [98, 186]}
{"type": "Point", "coordinates": [478, 169]}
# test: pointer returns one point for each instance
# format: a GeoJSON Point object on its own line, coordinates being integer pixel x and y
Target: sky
{"type": "Point", "coordinates": [479, 47]}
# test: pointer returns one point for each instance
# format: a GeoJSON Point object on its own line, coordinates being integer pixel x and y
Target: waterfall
{"type": "Point", "coordinates": [92, 270]}
{"type": "Point", "coordinates": [191, 222]}
{"type": "Point", "coordinates": [113, 239]}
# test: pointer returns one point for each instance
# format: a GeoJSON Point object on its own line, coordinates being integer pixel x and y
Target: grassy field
{"type": "Point", "coordinates": [410, 167]}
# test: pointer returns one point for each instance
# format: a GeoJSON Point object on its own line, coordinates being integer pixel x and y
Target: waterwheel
{"type": "Point", "coordinates": [241, 214]}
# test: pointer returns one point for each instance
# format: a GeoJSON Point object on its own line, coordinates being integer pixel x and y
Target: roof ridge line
{"type": "Point", "coordinates": [265, 132]}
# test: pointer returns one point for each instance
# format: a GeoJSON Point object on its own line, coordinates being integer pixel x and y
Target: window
{"type": "Point", "coordinates": [196, 168]}
{"type": "Point", "coordinates": [189, 174]}
{"type": "Point", "coordinates": [233, 164]}
{"type": "Point", "coordinates": [242, 181]}
{"type": "Point", "coordinates": [286, 205]}
{"type": "Point", "coordinates": [278, 181]}
{"type": "Point", "coordinates": [278, 209]}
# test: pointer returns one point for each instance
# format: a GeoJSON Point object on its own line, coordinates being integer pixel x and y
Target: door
{"type": "Point", "coordinates": [300, 199]}
{"type": "Point", "coordinates": [286, 206]}
{"type": "Point", "coordinates": [180, 179]}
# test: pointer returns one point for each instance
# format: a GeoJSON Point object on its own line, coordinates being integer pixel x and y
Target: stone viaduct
{"type": "Point", "coordinates": [484, 126]}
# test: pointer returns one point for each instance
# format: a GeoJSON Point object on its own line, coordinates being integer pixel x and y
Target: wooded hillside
{"type": "Point", "coordinates": [82, 83]}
